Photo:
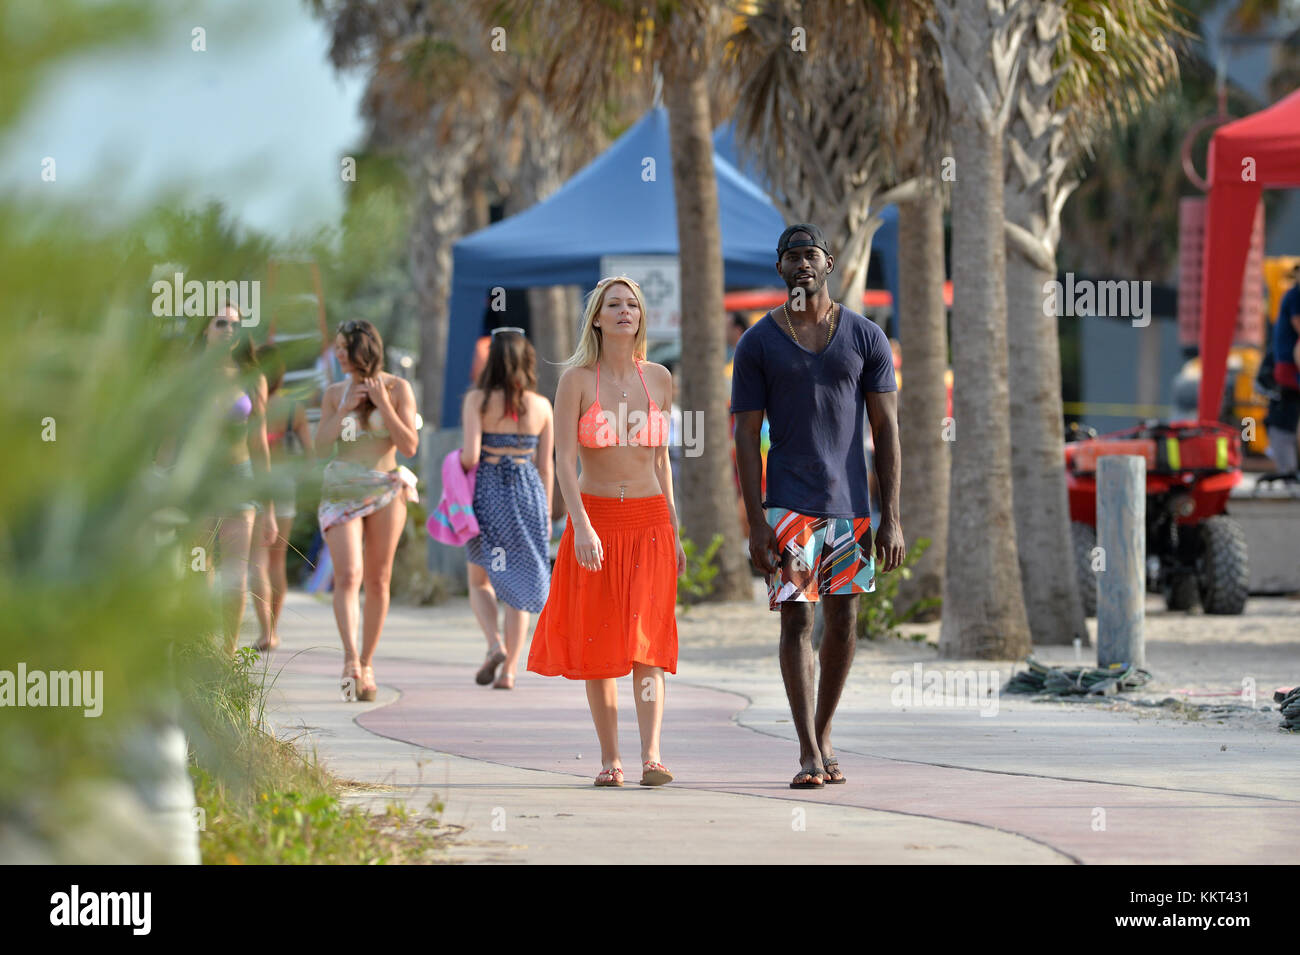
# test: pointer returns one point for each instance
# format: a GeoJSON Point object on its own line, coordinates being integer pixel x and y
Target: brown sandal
{"type": "Point", "coordinates": [367, 689]}
{"type": "Point", "coordinates": [349, 682]}
{"type": "Point", "coordinates": [813, 781]}
{"type": "Point", "coordinates": [610, 777]}
{"type": "Point", "coordinates": [488, 671]}
{"type": "Point", "coordinates": [655, 774]}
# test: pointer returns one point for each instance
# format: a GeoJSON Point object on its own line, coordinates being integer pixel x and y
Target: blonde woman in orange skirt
{"type": "Point", "coordinates": [613, 596]}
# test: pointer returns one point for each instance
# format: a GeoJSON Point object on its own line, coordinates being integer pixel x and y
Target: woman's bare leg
{"type": "Point", "coordinates": [235, 534]}
{"type": "Point", "coordinates": [516, 632]}
{"type": "Point", "coordinates": [648, 683]}
{"type": "Point", "coordinates": [382, 531]}
{"type": "Point", "coordinates": [279, 579]}
{"type": "Point", "coordinates": [259, 585]}
{"type": "Point", "coordinates": [602, 697]}
{"type": "Point", "coordinates": [483, 601]}
{"type": "Point", "coordinates": [344, 542]}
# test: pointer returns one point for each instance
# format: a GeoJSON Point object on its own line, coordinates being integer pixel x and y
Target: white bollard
{"type": "Point", "coordinates": [1122, 536]}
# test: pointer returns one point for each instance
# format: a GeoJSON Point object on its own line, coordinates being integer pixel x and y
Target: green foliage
{"type": "Point", "coordinates": [876, 614]}
{"type": "Point", "coordinates": [696, 583]}
{"type": "Point", "coordinates": [264, 802]}
{"type": "Point", "coordinates": [117, 467]}
{"type": "Point", "coordinates": [309, 826]}
{"type": "Point", "coordinates": [38, 35]}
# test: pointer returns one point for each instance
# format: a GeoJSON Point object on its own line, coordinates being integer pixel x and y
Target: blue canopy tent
{"type": "Point", "coordinates": [612, 207]}
{"type": "Point", "coordinates": [883, 244]}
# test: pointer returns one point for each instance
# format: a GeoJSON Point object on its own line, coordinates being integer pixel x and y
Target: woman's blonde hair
{"type": "Point", "coordinates": [590, 340]}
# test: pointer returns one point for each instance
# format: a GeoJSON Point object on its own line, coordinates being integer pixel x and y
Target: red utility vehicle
{"type": "Point", "coordinates": [1194, 549]}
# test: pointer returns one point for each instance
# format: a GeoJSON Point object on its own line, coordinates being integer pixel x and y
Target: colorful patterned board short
{"type": "Point", "coordinates": [820, 555]}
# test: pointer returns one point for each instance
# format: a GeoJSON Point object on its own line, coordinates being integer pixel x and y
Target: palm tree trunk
{"type": "Point", "coordinates": [853, 281]}
{"type": "Point", "coordinates": [706, 502]}
{"type": "Point", "coordinates": [1051, 590]}
{"type": "Point", "coordinates": [1036, 190]}
{"type": "Point", "coordinates": [439, 215]}
{"type": "Point", "coordinates": [539, 175]}
{"type": "Point", "coordinates": [983, 606]}
{"type": "Point", "coordinates": [923, 333]}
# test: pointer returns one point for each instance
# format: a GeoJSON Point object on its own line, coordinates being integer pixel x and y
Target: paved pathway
{"type": "Point", "coordinates": [1037, 783]}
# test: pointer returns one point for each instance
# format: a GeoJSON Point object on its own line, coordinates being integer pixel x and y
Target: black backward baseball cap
{"type": "Point", "coordinates": [814, 237]}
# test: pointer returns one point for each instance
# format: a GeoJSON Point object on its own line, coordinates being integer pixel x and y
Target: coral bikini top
{"type": "Point", "coordinates": [596, 428]}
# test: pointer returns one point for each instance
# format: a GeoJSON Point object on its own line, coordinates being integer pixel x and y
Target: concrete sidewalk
{"type": "Point", "coordinates": [1034, 783]}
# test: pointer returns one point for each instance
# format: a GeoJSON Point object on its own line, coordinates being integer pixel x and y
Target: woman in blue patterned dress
{"type": "Point", "coordinates": [509, 438]}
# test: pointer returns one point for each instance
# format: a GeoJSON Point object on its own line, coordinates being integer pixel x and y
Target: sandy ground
{"type": "Point", "coordinates": [1200, 660]}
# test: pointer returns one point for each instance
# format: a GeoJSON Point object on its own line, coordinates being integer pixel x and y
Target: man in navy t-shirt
{"type": "Point", "coordinates": [817, 370]}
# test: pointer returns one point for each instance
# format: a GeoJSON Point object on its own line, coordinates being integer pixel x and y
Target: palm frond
{"type": "Point", "coordinates": [1137, 60]}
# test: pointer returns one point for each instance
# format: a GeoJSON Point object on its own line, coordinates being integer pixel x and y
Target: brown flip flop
{"type": "Point", "coordinates": [814, 780]}
{"type": "Point", "coordinates": [488, 671]}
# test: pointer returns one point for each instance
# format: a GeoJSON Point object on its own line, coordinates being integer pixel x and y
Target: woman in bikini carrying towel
{"type": "Point", "coordinates": [613, 595]}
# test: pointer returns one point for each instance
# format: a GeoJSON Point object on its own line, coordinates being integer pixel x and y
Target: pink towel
{"type": "Point", "coordinates": [452, 521]}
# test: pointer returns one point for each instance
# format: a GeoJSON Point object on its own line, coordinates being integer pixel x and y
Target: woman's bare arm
{"type": "Point", "coordinates": [330, 424]}
{"type": "Point", "coordinates": [545, 453]}
{"type": "Point", "coordinates": [568, 399]}
{"type": "Point", "coordinates": [259, 449]}
{"type": "Point", "coordinates": [303, 430]}
{"type": "Point", "coordinates": [401, 423]}
{"type": "Point", "coordinates": [471, 427]}
{"type": "Point", "coordinates": [663, 462]}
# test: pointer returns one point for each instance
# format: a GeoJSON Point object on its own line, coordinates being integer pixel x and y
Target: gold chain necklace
{"type": "Point", "coordinates": [830, 330]}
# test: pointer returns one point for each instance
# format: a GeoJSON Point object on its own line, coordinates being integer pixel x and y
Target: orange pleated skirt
{"type": "Point", "coordinates": [596, 624]}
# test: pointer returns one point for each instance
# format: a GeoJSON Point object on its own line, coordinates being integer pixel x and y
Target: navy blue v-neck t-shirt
{"type": "Point", "coordinates": [816, 410]}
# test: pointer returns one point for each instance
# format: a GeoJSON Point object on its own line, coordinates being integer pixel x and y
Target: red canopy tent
{"type": "Point", "coordinates": [1249, 155]}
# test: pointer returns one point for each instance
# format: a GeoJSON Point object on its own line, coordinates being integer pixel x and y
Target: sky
{"type": "Point", "coordinates": [260, 120]}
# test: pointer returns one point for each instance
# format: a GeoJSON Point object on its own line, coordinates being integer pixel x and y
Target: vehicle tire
{"type": "Point", "coordinates": [1223, 569]}
{"type": "Point", "coordinates": [1084, 539]}
{"type": "Point", "coordinates": [1181, 592]}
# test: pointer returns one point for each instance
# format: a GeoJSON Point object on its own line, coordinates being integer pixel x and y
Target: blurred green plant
{"type": "Point", "coordinates": [264, 801]}
{"type": "Point", "coordinates": [877, 616]}
{"type": "Point", "coordinates": [310, 826]}
{"type": "Point", "coordinates": [117, 453]}
{"type": "Point", "coordinates": [696, 583]}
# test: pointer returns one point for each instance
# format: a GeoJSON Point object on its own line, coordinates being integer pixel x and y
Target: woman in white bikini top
{"type": "Point", "coordinates": [374, 425]}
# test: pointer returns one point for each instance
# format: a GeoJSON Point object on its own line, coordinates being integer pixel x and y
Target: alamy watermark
{"type": "Point", "coordinates": [625, 428]}
{"type": "Point", "coordinates": [76, 688]}
{"type": "Point", "coordinates": [176, 297]}
{"type": "Point", "coordinates": [919, 687]}
{"type": "Point", "coordinates": [1085, 298]}
{"type": "Point", "coordinates": [75, 907]}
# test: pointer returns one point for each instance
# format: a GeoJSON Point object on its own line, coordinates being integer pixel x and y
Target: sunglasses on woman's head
{"type": "Point", "coordinates": [510, 328]}
{"type": "Point", "coordinates": [347, 328]}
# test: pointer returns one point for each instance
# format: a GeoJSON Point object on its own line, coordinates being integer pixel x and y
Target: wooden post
{"type": "Point", "coordinates": [1121, 584]}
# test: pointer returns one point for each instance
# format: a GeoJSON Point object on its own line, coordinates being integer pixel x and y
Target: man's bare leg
{"type": "Point", "coordinates": [838, 645]}
{"type": "Point", "coordinates": [797, 666]}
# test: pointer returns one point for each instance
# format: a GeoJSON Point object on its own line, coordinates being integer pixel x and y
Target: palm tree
{"type": "Point", "coordinates": [862, 111]}
{"type": "Point", "coordinates": [818, 120]}
{"type": "Point", "coordinates": [983, 607]}
{"type": "Point", "coordinates": [431, 98]}
{"type": "Point", "coordinates": [1068, 91]}
{"type": "Point", "coordinates": [922, 313]}
{"type": "Point", "coordinates": [621, 44]}
{"type": "Point", "coordinates": [1124, 214]}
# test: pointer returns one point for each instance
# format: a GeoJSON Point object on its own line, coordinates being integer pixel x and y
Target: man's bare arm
{"type": "Point", "coordinates": [882, 410]}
